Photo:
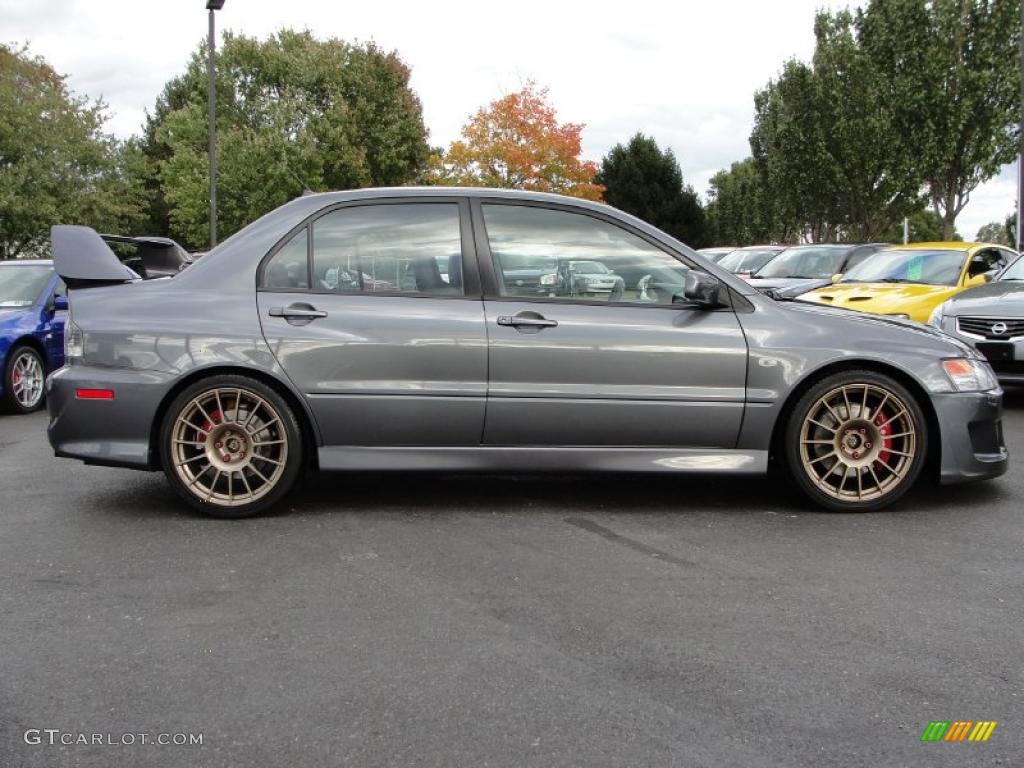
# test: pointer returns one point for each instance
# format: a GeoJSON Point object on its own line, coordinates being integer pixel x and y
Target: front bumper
{"type": "Point", "coordinates": [971, 435]}
{"type": "Point", "coordinates": [114, 432]}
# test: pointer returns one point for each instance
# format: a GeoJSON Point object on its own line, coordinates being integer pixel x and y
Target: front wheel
{"type": "Point", "coordinates": [231, 446]}
{"type": "Point", "coordinates": [856, 441]}
{"type": "Point", "coordinates": [24, 376]}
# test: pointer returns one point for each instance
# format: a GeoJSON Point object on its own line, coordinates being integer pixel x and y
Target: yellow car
{"type": "Point", "coordinates": [909, 281]}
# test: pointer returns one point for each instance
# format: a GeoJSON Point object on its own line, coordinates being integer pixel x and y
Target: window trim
{"type": "Point", "coordinates": [488, 270]}
{"type": "Point", "coordinates": [470, 274]}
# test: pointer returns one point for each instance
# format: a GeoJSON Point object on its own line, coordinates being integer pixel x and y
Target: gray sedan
{"type": "Point", "coordinates": [990, 317]}
{"type": "Point", "coordinates": [248, 368]}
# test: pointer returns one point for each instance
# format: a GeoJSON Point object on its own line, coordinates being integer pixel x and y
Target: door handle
{"type": "Point", "coordinates": [523, 320]}
{"type": "Point", "coordinates": [304, 312]}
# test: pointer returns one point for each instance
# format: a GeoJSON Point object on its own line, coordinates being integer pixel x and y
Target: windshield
{"type": "Point", "coordinates": [21, 286]}
{"type": "Point", "coordinates": [938, 267]}
{"type": "Point", "coordinates": [748, 261]}
{"type": "Point", "coordinates": [809, 262]}
{"type": "Point", "coordinates": [1015, 271]}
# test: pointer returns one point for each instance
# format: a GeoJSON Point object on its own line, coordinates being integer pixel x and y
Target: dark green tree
{"type": "Point", "coordinates": [997, 232]}
{"type": "Point", "coordinates": [642, 179]}
{"type": "Point", "coordinates": [292, 111]}
{"type": "Point", "coordinates": [57, 165]}
{"type": "Point", "coordinates": [925, 227]}
{"type": "Point", "coordinates": [739, 212]}
{"type": "Point", "coordinates": [951, 88]}
{"type": "Point", "coordinates": [826, 147]}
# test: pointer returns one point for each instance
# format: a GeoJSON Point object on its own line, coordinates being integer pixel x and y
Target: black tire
{"type": "Point", "coordinates": [232, 441]}
{"type": "Point", "coordinates": [18, 356]}
{"type": "Point", "coordinates": [869, 407]}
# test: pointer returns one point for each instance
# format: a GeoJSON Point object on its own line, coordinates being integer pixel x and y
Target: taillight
{"type": "Point", "coordinates": [74, 340]}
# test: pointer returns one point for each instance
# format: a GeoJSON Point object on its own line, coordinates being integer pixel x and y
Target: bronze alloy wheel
{"type": "Point", "coordinates": [859, 441]}
{"type": "Point", "coordinates": [231, 448]}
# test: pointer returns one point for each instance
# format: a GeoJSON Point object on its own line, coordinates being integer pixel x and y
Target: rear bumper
{"type": "Point", "coordinates": [971, 430]}
{"type": "Point", "coordinates": [106, 432]}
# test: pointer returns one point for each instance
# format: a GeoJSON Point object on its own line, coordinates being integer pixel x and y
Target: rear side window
{"type": "Point", "coordinates": [289, 267]}
{"type": "Point", "coordinates": [411, 248]}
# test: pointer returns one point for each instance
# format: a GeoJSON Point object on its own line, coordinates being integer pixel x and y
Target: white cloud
{"type": "Point", "coordinates": [682, 72]}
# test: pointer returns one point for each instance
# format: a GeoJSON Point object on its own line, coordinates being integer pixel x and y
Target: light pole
{"type": "Point", "coordinates": [1020, 156]}
{"type": "Point", "coordinates": [211, 76]}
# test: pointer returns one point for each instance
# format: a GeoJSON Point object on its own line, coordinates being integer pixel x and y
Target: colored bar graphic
{"type": "Point", "coordinates": [935, 731]}
{"type": "Point", "coordinates": [958, 730]}
{"type": "Point", "coordinates": [982, 730]}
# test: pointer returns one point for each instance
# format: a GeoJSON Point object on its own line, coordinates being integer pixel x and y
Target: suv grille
{"type": "Point", "coordinates": [992, 327]}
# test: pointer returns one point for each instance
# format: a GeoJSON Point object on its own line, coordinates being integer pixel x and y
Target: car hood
{"type": "Point", "coordinates": [884, 298]}
{"type": "Point", "coordinates": [1003, 298]}
{"type": "Point", "coordinates": [788, 287]}
{"type": "Point", "coordinates": [800, 305]}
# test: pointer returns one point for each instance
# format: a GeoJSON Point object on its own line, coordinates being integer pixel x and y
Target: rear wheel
{"type": "Point", "coordinates": [231, 446]}
{"type": "Point", "coordinates": [856, 442]}
{"type": "Point", "coordinates": [24, 376]}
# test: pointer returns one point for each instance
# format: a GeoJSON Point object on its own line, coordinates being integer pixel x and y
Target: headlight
{"type": "Point", "coordinates": [935, 318]}
{"type": "Point", "coordinates": [548, 279]}
{"type": "Point", "coordinates": [970, 375]}
{"type": "Point", "coordinates": [900, 315]}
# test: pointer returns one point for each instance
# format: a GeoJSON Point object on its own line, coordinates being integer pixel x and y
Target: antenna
{"type": "Point", "coordinates": [305, 187]}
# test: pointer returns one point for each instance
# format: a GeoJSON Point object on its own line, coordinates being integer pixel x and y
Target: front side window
{"type": "Point", "coordinates": [402, 248]}
{"type": "Point", "coordinates": [547, 253]}
{"type": "Point", "coordinates": [987, 261]}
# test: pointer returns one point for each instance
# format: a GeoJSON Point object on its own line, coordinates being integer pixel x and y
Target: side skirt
{"type": "Point", "coordinates": [539, 459]}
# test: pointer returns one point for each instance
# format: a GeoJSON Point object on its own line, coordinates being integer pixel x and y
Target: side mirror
{"type": "Point", "coordinates": [837, 277]}
{"type": "Point", "coordinates": [60, 303]}
{"type": "Point", "coordinates": [702, 289]}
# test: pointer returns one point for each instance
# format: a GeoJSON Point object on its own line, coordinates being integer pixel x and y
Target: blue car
{"type": "Point", "coordinates": [33, 310]}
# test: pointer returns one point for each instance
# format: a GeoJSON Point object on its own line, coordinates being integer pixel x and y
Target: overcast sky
{"type": "Point", "coordinates": [683, 72]}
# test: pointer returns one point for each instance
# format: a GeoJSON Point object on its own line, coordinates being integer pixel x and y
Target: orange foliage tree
{"type": "Point", "coordinates": [518, 143]}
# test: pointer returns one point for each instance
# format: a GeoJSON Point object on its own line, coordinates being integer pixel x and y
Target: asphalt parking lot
{"type": "Point", "coordinates": [502, 621]}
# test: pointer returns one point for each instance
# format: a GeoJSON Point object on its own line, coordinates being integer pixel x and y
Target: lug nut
{"type": "Point", "coordinates": [867, 445]}
{"type": "Point", "coordinates": [216, 445]}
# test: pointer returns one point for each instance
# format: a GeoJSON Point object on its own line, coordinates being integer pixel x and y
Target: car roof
{"type": "Point", "coordinates": [764, 248]}
{"type": "Point", "coordinates": [26, 263]}
{"type": "Point", "coordinates": [413, 191]}
{"type": "Point", "coordinates": [948, 245]}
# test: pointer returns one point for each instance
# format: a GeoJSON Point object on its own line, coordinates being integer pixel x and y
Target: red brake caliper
{"type": "Point", "coordinates": [15, 379]}
{"type": "Point", "coordinates": [880, 418]}
{"type": "Point", "coordinates": [208, 425]}
{"type": "Point", "coordinates": [217, 418]}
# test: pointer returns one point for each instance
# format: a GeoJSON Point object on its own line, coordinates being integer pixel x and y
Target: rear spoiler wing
{"type": "Point", "coordinates": [82, 259]}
